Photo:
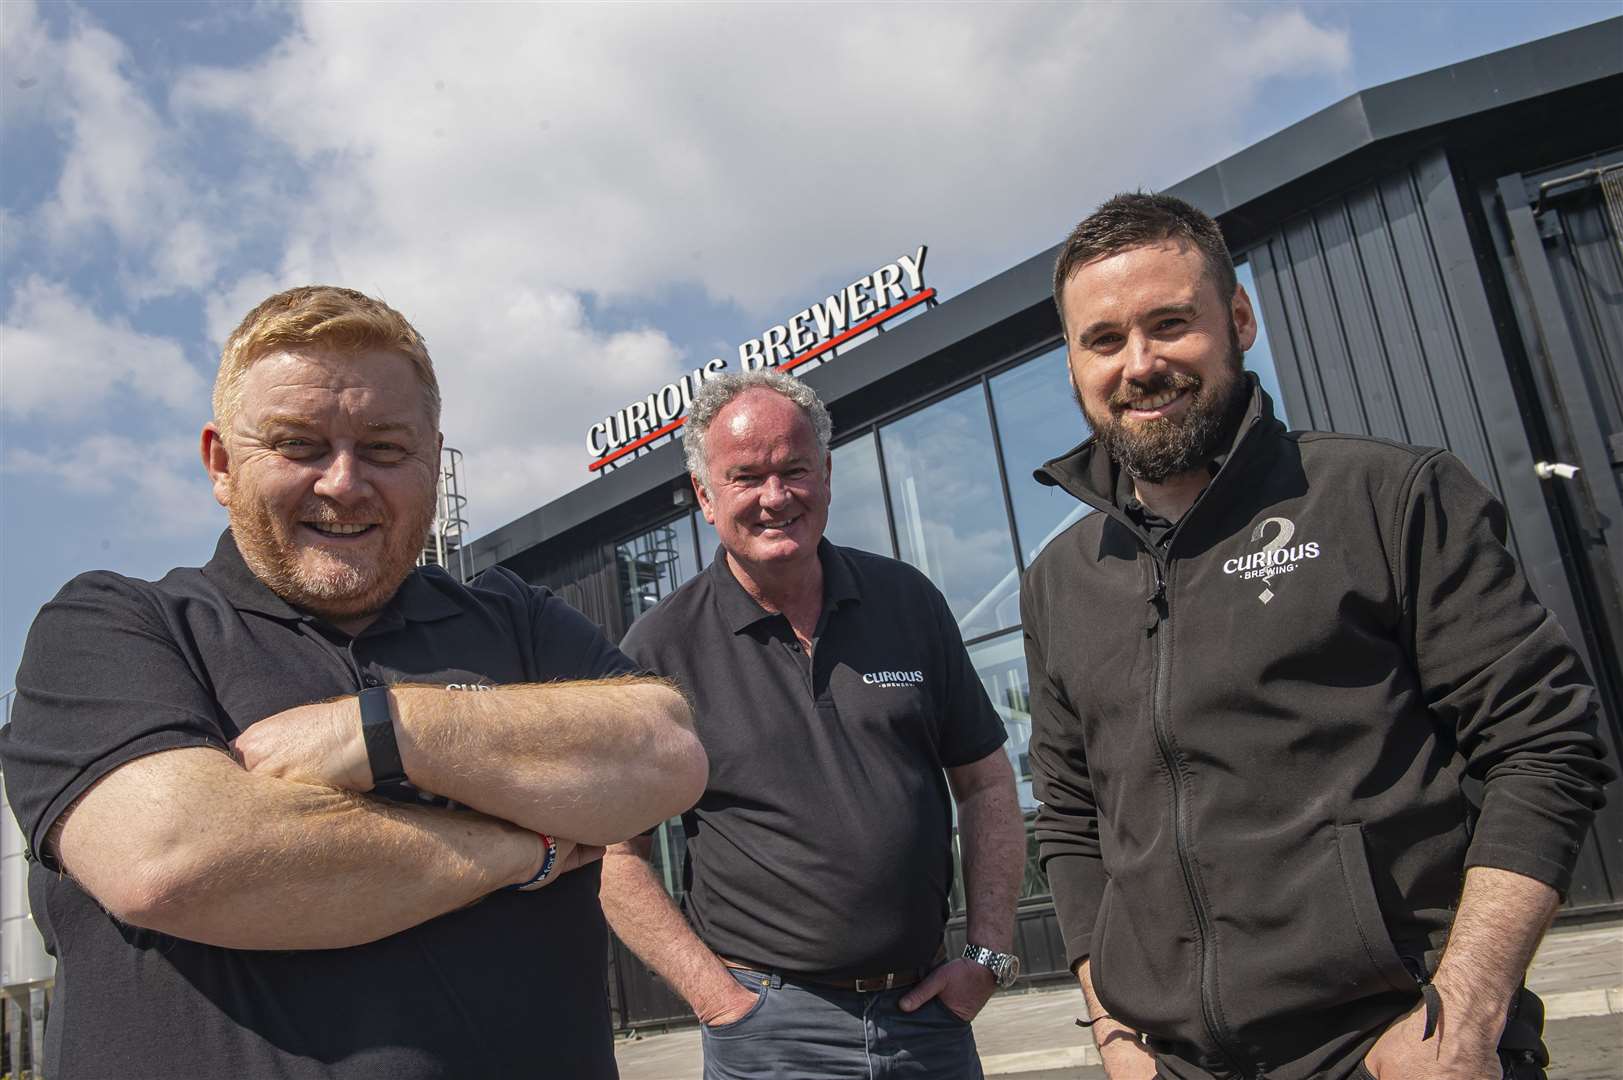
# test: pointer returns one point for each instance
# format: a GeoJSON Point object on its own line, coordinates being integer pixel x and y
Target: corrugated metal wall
{"type": "Point", "coordinates": [1365, 320]}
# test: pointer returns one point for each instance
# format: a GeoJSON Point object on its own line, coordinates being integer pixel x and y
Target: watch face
{"type": "Point", "coordinates": [1010, 972]}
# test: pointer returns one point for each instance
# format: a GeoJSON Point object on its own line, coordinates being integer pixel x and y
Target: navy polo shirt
{"type": "Point", "coordinates": [116, 668]}
{"type": "Point", "coordinates": [822, 845]}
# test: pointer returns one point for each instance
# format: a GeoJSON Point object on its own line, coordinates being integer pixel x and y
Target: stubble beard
{"type": "Point", "coordinates": [324, 582]}
{"type": "Point", "coordinates": [1154, 450]}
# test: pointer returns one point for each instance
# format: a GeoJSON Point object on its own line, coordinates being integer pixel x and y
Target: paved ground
{"type": "Point", "coordinates": [1032, 1036]}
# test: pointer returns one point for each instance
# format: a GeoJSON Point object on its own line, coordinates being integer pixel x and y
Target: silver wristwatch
{"type": "Point", "coordinates": [1005, 967]}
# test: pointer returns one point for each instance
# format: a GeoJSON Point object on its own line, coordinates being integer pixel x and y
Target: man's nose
{"type": "Point", "coordinates": [1139, 359]}
{"type": "Point", "coordinates": [774, 492]}
{"type": "Point", "coordinates": [343, 479]}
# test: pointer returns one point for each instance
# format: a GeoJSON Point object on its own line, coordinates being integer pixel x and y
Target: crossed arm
{"type": "Point", "coordinates": [281, 851]}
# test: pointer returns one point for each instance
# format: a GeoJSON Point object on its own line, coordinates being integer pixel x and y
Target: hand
{"type": "Point", "coordinates": [314, 744]}
{"type": "Point", "coordinates": [729, 1004]}
{"type": "Point", "coordinates": [1128, 1060]}
{"type": "Point", "coordinates": [571, 856]}
{"type": "Point", "coordinates": [962, 985]}
{"type": "Point", "coordinates": [1452, 1053]}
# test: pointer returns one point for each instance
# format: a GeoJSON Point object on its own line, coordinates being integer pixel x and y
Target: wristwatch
{"type": "Point", "coordinates": [1005, 967]}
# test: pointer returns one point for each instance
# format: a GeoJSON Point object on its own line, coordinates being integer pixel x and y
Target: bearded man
{"type": "Point", "coordinates": [1259, 675]}
{"type": "Point", "coordinates": [308, 811]}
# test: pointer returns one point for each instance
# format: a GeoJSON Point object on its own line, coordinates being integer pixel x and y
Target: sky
{"type": "Point", "coordinates": [573, 204]}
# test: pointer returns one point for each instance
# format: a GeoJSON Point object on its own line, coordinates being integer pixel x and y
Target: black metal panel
{"type": "Point", "coordinates": [638, 997]}
{"type": "Point", "coordinates": [1365, 317]}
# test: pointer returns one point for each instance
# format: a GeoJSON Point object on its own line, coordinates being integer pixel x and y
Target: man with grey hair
{"type": "Point", "coordinates": [839, 708]}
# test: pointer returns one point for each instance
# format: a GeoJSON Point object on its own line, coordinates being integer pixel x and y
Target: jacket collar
{"type": "Point", "coordinates": [740, 609]}
{"type": "Point", "coordinates": [1091, 475]}
{"type": "Point", "coordinates": [417, 600]}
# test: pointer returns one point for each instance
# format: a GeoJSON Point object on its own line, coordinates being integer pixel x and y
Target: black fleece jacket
{"type": "Point", "coordinates": [1249, 745]}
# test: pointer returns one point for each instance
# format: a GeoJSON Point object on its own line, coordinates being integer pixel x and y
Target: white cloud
{"type": "Point", "coordinates": [63, 361]}
{"type": "Point", "coordinates": [27, 64]}
{"type": "Point", "coordinates": [158, 486]}
{"type": "Point", "coordinates": [528, 155]}
{"type": "Point", "coordinates": [124, 173]}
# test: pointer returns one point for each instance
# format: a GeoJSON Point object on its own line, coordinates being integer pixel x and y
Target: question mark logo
{"type": "Point", "coordinates": [1287, 529]}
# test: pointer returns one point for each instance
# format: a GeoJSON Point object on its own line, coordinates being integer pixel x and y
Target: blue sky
{"type": "Point", "coordinates": [575, 204]}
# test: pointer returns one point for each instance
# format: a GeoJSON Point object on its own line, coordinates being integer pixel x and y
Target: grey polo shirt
{"type": "Point", "coordinates": [822, 843]}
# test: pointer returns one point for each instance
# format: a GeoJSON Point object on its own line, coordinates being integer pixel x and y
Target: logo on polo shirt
{"type": "Point", "coordinates": [893, 678]}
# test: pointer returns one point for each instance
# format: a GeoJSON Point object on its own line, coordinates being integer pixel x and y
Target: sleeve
{"type": "Point", "coordinates": [568, 644]}
{"type": "Point", "coordinates": [1067, 827]}
{"type": "Point", "coordinates": [102, 682]}
{"type": "Point", "coordinates": [970, 726]}
{"type": "Point", "coordinates": [1496, 668]}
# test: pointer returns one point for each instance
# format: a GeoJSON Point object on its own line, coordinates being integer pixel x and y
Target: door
{"type": "Point", "coordinates": [1565, 229]}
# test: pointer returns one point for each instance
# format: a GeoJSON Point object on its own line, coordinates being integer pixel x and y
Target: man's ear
{"type": "Point", "coordinates": [704, 499]}
{"type": "Point", "coordinates": [218, 463]}
{"type": "Point", "coordinates": [1244, 316]}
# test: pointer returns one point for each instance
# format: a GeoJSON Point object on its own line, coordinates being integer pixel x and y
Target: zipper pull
{"type": "Point", "coordinates": [1428, 994]}
{"type": "Point", "coordinates": [1156, 600]}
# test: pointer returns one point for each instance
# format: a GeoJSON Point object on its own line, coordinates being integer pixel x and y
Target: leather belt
{"type": "Point", "coordinates": [868, 984]}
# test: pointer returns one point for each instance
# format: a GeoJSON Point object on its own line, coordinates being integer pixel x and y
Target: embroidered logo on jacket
{"type": "Point", "coordinates": [1273, 558]}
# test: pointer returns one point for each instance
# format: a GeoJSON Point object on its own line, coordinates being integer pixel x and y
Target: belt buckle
{"type": "Point", "coordinates": [868, 986]}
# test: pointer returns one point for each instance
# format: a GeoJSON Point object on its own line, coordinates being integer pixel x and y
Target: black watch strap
{"type": "Point", "coordinates": [377, 729]}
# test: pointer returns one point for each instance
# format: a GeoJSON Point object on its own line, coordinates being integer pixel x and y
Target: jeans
{"type": "Point", "coordinates": [801, 1031]}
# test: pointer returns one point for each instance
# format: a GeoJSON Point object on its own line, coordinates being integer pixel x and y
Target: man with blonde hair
{"type": "Point", "coordinates": [310, 811]}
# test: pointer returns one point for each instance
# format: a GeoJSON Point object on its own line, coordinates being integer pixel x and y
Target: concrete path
{"type": "Point", "coordinates": [1033, 1036]}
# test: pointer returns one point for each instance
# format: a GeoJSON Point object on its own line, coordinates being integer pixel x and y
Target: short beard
{"type": "Point", "coordinates": [1153, 451]}
{"type": "Point", "coordinates": [339, 589]}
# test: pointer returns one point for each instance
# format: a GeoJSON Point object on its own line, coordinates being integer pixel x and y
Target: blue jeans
{"type": "Point", "coordinates": [800, 1031]}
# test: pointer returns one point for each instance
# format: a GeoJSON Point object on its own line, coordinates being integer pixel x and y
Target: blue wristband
{"type": "Point", "coordinates": [547, 860]}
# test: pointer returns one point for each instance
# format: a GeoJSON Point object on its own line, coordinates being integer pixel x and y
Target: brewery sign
{"type": "Point", "coordinates": [814, 332]}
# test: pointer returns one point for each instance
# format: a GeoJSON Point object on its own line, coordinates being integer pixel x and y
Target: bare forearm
{"type": "Point", "coordinates": [1502, 917]}
{"type": "Point", "coordinates": [993, 841]}
{"type": "Point", "coordinates": [188, 844]}
{"type": "Point", "coordinates": [649, 923]}
{"type": "Point", "coordinates": [1124, 1055]}
{"type": "Point", "coordinates": [596, 761]}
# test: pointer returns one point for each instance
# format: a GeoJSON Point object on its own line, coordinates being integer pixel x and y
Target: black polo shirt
{"type": "Point", "coordinates": [117, 668]}
{"type": "Point", "coordinates": [822, 845]}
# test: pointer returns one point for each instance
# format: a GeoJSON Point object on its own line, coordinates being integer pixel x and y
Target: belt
{"type": "Point", "coordinates": [868, 984]}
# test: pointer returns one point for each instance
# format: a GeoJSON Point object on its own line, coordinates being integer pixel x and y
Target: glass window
{"type": "Point", "coordinates": [1038, 419]}
{"type": "Point", "coordinates": [653, 565]}
{"type": "Point", "coordinates": [948, 502]}
{"type": "Point", "coordinates": [1261, 358]}
{"type": "Point", "coordinates": [669, 850]}
{"type": "Point", "coordinates": [856, 518]}
{"type": "Point", "coordinates": [1001, 664]}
